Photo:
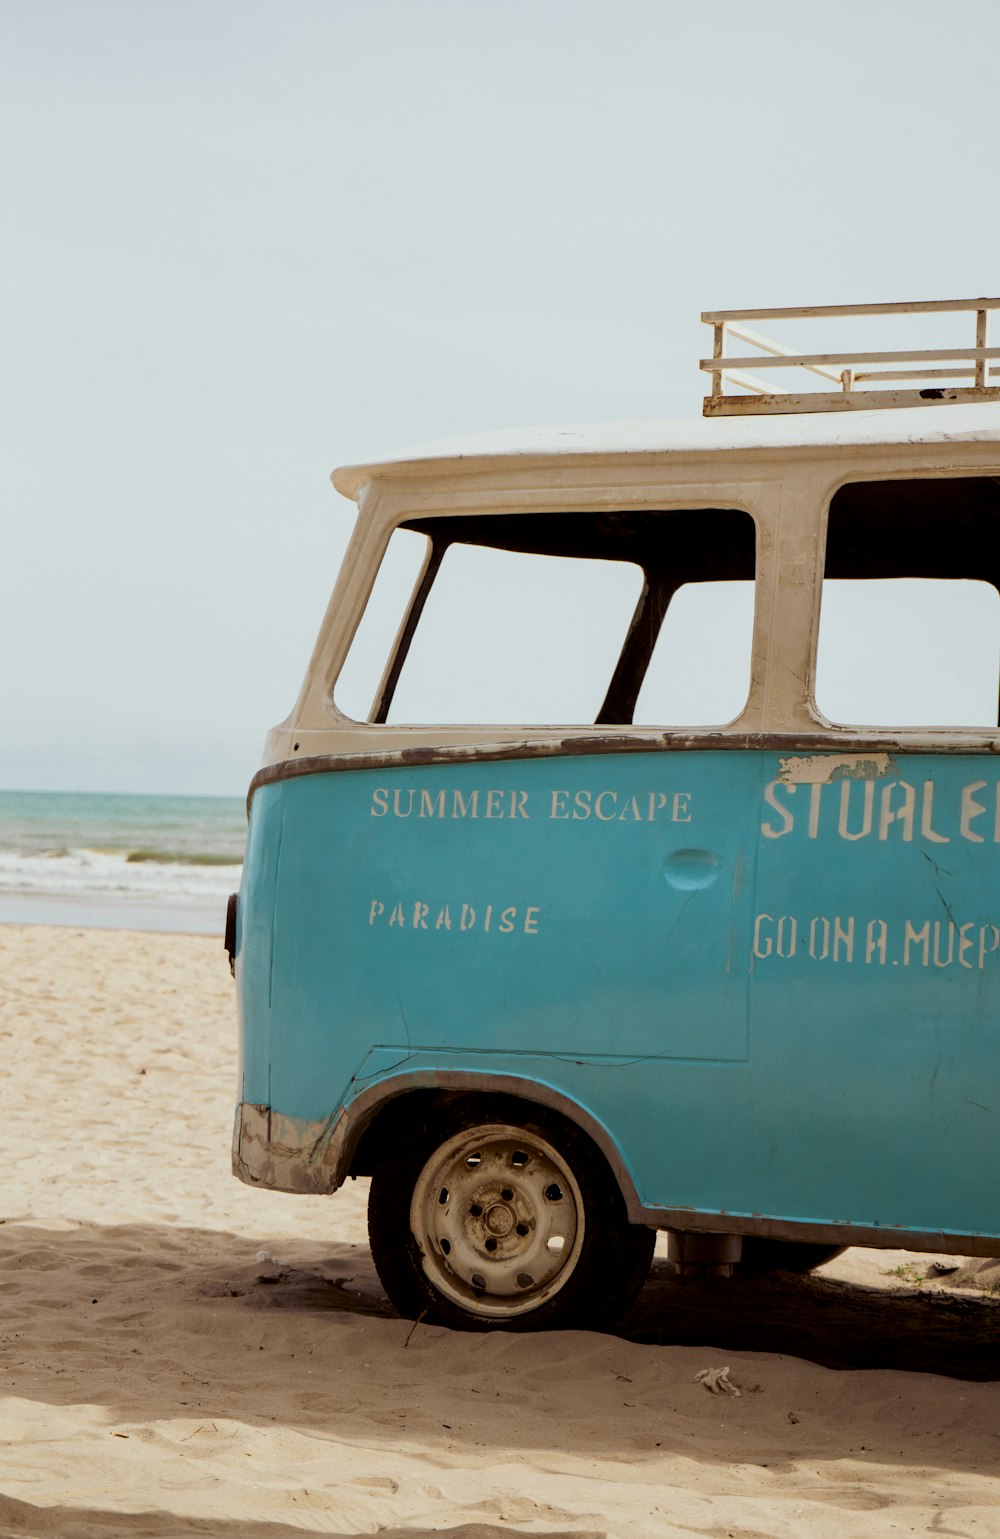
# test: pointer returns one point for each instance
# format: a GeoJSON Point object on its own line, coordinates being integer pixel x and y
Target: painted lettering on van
{"type": "Point", "coordinates": [416, 914]}
{"type": "Point", "coordinates": [895, 809]}
{"type": "Point", "coordinates": [604, 806]}
{"type": "Point", "coordinates": [930, 943]}
{"type": "Point", "coordinates": [616, 807]}
{"type": "Point", "coordinates": [411, 801]}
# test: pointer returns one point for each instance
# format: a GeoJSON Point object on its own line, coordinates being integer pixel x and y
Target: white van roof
{"type": "Point", "coordinates": [699, 435]}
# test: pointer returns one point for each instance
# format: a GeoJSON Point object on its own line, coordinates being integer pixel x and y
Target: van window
{"type": "Point", "coordinates": [612, 617]}
{"type": "Point", "coordinates": [699, 673]}
{"type": "Point", "coordinates": [909, 630]}
{"type": "Point", "coordinates": [395, 584]}
{"type": "Point", "coordinates": [511, 637]}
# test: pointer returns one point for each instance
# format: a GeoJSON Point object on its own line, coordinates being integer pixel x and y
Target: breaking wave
{"type": "Point", "coordinates": [127, 873]}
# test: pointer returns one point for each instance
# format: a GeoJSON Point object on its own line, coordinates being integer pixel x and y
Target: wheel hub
{"type": "Point", "coordinates": [498, 1216]}
{"type": "Point", "coordinates": [499, 1220]}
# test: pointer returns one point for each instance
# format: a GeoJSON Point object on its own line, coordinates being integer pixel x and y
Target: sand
{"type": "Point", "coordinates": [180, 1355]}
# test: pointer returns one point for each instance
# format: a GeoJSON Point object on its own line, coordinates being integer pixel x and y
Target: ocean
{"type": "Point", "coordinates": [120, 862]}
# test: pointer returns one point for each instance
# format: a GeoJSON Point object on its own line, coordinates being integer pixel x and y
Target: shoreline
{"type": "Point", "coordinates": [92, 911]}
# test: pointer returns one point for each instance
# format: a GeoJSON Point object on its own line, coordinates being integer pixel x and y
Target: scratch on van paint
{"type": "Point", "coordinates": [406, 1025]}
{"type": "Point", "coordinates": [318, 1148]}
{"type": "Point", "coordinates": [824, 768]}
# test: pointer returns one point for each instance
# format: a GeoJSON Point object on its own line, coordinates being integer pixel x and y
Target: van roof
{"type": "Point", "coordinates": [699, 435]}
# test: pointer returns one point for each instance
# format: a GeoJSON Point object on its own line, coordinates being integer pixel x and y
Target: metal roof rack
{"type": "Point", "coordinates": [847, 371]}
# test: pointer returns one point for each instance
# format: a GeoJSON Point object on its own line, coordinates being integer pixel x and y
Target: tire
{"type": "Point", "coordinates": [504, 1216]}
{"type": "Point", "coordinates": [761, 1255]}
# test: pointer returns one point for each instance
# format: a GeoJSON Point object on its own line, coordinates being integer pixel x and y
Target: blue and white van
{"type": "Point", "coordinates": [631, 857]}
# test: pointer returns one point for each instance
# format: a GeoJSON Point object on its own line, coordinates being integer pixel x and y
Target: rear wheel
{"type": "Point", "coordinates": [504, 1215]}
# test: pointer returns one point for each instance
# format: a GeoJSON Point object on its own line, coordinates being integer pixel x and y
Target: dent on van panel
{"type": "Point", "coordinates": [824, 769]}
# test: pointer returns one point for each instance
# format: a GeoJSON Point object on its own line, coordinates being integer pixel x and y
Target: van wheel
{"type": "Point", "coordinates": [504, 1216]}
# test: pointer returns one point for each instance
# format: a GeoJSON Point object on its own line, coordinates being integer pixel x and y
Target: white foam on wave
{"type": "Point", "coordinates": [82, 872]}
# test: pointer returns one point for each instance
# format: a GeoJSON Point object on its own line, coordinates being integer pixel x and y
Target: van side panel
{"type": "Point", "coordinates": [876, 993]}
{"type": "Point", "coordinates": [779, 997]}
{"type": "Point", "coordinates": [583, 908]}
{"type": "Point", "coordinates": [558, 905]}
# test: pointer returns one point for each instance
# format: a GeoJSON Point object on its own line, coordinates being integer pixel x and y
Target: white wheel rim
{"type": "Point", "coordinates": [498, 1216]}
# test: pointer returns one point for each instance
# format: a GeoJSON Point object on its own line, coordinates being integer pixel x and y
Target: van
{"type": "Point", "coordinates": [629, 860]}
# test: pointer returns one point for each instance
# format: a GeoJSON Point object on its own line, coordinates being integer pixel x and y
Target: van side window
{"type": "Point", "coordinates": [909, 632]}
{"type": "Point", "coordinates": [389, 601]}
{"type": "Point", "coordinates": [699, 673]}
{"type": "Point", "coordinates": [511, 637]}
{"type": "Point", "coordinates": [611, 617]}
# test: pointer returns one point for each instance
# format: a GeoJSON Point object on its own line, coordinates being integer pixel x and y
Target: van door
{"type": "Point", "coordinates": [876, 948]}
{"type": "Point", "coordinates": [575, 910]}
{"type": "Point", "coordinates": [637, 864]}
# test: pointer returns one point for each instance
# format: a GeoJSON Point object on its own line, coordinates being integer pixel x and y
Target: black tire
{"type": "Point", "coordinates": [761, 1255]}
{"type": "Point", "coordinates": [501, 1215]}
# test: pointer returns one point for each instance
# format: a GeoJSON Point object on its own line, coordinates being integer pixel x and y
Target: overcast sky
{"type": "Point", "coordinates": [247, 240]}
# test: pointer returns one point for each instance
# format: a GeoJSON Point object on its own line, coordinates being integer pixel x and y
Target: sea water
{"type": "Point", "coordinates": [125, 862]}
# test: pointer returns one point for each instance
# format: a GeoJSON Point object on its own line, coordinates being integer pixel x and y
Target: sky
{"type": "Point", "coordinates": [248, 240]}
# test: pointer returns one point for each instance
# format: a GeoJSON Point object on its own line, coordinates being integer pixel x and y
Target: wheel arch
{"type": "Point", "coordinates": [389, 1110]}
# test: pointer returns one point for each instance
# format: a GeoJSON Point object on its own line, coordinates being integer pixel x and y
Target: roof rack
{"type": "Point", "coordinates": [847, 371]}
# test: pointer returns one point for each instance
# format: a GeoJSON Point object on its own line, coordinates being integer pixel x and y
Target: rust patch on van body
{"type": "Point", "coordinates": [823, 769]}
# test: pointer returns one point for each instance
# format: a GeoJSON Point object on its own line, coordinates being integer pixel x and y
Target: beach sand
{"type": "Point", "coordinates": [184, 1356]}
